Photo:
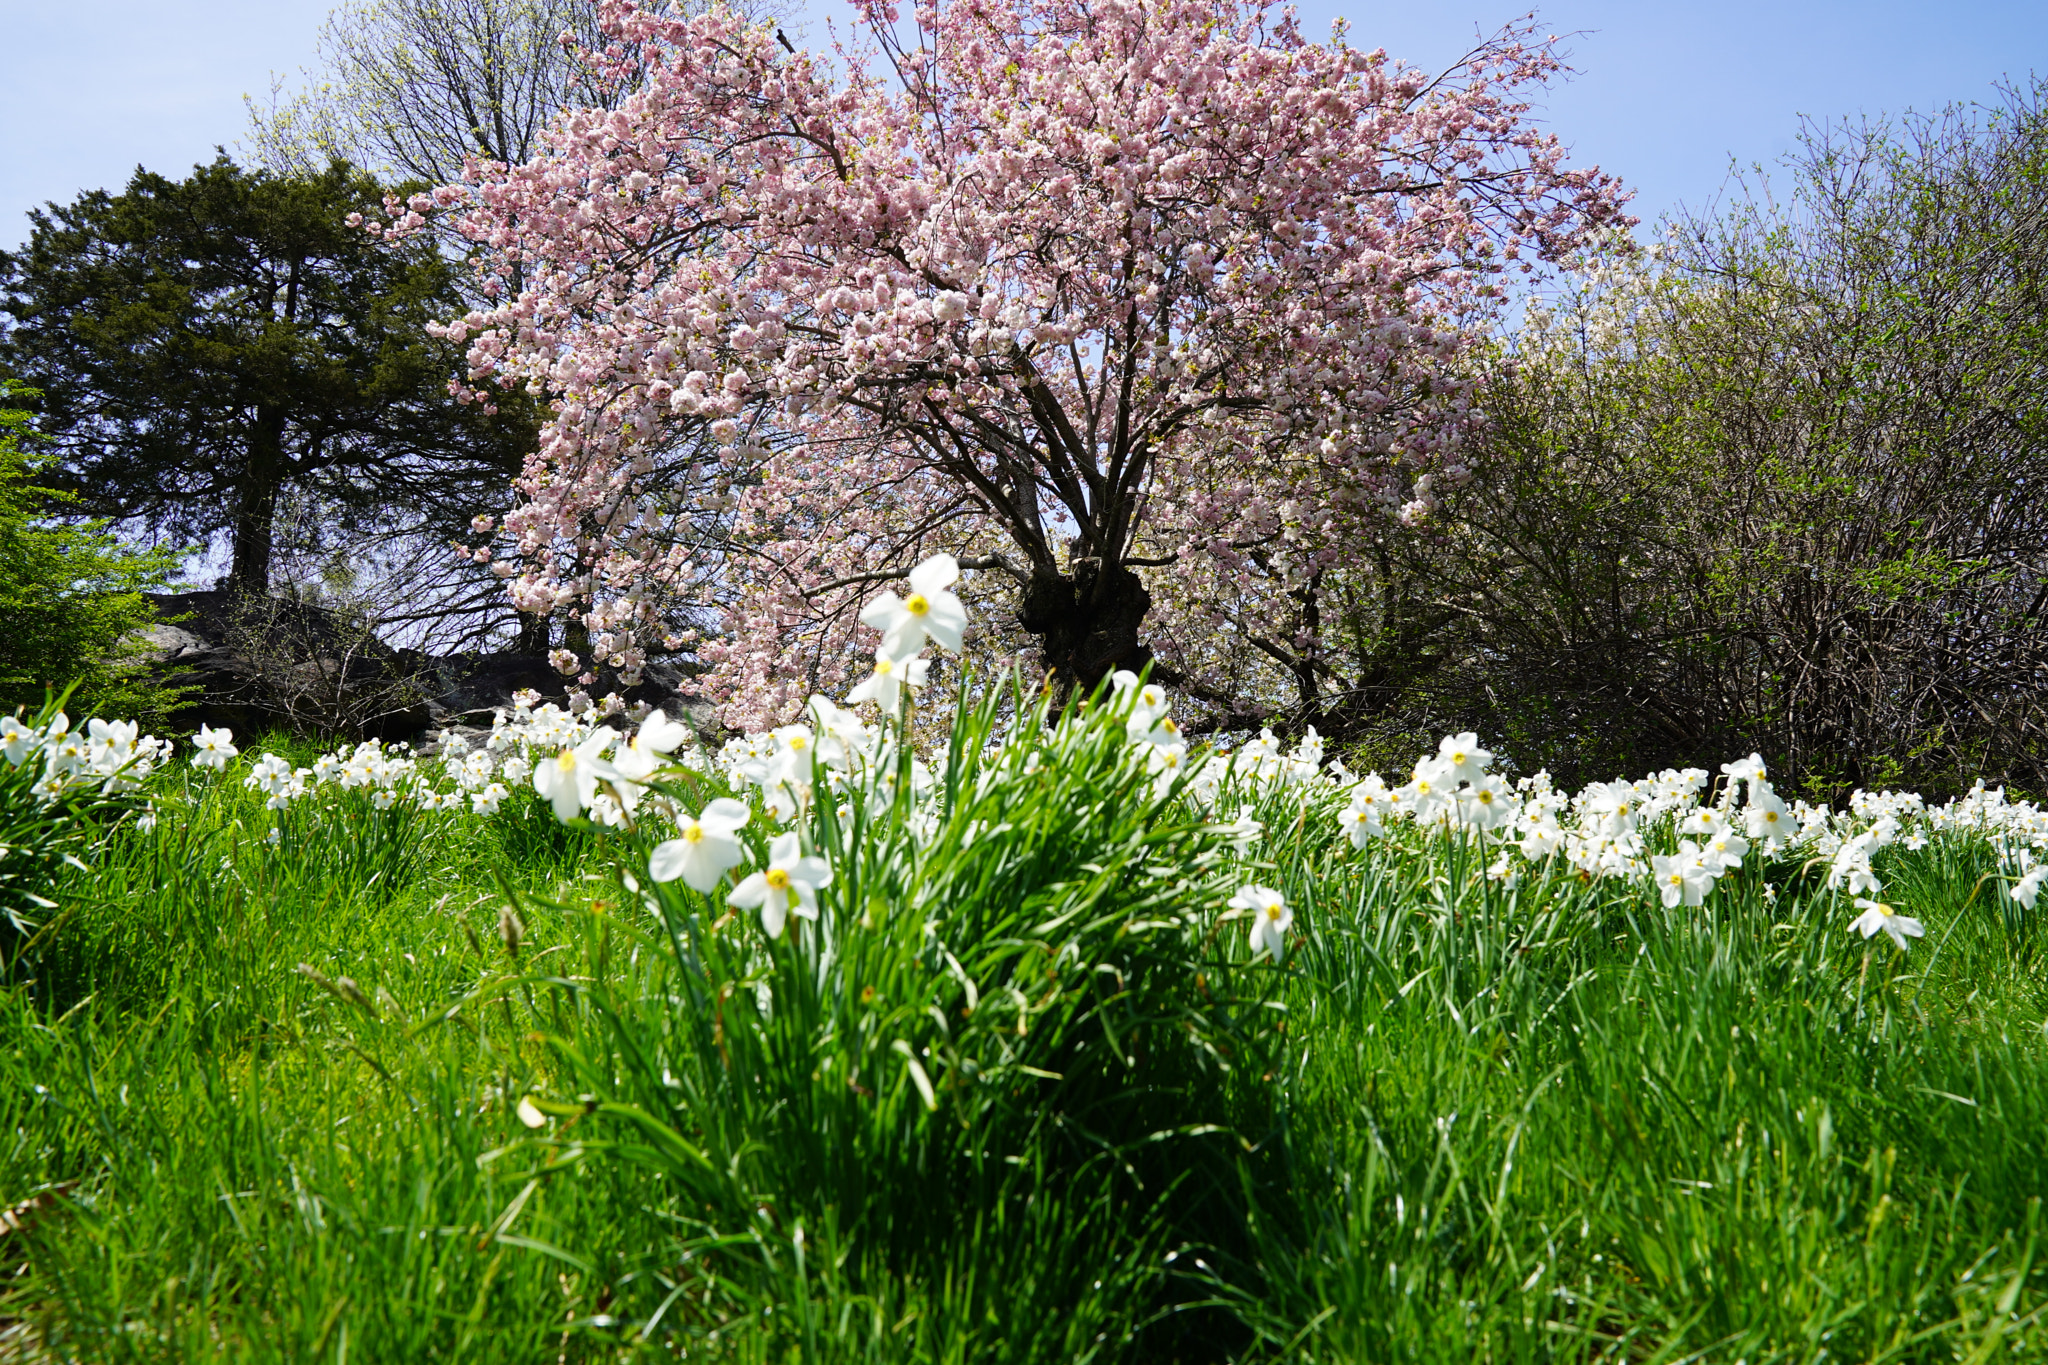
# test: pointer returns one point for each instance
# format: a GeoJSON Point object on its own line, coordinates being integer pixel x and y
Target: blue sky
{"type": "Point", "coordinates": [1668, 93]}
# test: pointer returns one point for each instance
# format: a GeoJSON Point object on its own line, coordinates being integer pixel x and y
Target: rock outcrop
{"type": "Point", "coordinates": [277, 663]}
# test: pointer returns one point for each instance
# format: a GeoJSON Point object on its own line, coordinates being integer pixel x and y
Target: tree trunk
{"type": "Point", "coordinates": [1087, 622]}
{"type": "Point", "coordinates": [256, 516]}
{"type": "Point", "coordinates": [533, 635]}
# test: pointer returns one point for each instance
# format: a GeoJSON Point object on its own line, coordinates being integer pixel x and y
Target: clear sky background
{"type": "Point", "coordinates": [1668, 93]}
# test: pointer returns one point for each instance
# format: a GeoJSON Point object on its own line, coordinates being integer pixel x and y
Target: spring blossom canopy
{"type": "Point", "coordinates": [1149, 305]}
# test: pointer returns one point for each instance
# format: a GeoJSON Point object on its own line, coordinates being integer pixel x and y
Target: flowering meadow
{"type": "Point", "coordinates": [981, 1030]}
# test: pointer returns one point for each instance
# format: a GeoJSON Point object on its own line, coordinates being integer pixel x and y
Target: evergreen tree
{"type": "Point", "coordinates": [206, 347]}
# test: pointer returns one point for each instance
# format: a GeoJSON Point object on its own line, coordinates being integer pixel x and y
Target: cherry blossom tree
{"type": "Point", "coordinates": [1122, 302]}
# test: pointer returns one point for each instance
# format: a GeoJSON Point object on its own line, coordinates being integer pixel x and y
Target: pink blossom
{"type": "Point", "coordinates": [1159, 276]}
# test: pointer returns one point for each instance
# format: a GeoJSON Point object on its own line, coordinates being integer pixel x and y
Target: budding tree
{"type": "Point", "coordinates": [410, 88]}
{"type": "Point", "coordinates": [1093, 295]}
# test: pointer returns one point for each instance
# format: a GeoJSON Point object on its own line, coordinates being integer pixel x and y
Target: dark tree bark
{"type": "Point", "coordinates": [1088, 622]}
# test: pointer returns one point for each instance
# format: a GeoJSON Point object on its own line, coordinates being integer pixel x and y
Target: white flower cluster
{"type": "Point", "coordinates": [479, 776]}
{"type": "Point", "coordinates": [1608, 828]}
{"type": "Point", "coordinates": [838, 751]}
{"type": "Point", "coordinates": [390, 774]}
{"type": "Point", "coordinates": [582, 768]}
{"type": "Point", "coordinates": [107, 755]}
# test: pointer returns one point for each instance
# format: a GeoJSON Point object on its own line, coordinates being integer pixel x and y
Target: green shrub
{"type": "Point", "coordinates": [70, 593]}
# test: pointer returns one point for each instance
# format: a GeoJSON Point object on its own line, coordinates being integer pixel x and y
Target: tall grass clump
{"type": "Point", "coordinates": [995, 1068]}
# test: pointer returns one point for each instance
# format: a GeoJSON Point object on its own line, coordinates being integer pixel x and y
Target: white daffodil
{"type": "Point", "coordinates": [781, 766]}
{"type": "Point", "coordinates": [788, 886]}
{"type": "Point", "coordinates": [1702, 822]}
{"type": "Point", "coordinates": [1541, 835]}
{"type": "Point", "coordinates": [1160, 731]}
{"type": "Point", "coordinates": [271, 775]}
{"type": "Point", "coordinates": [1770, 824]}
{"type": "Point", "coordinates": [1261, 756]}
{"type": "Point", "coordinates": [2028, 888]}
{"type": "Point", "coordinates": [112, 741]}
{"type": "Point", "coordinates": [1749, 769]}
{"type": "Point", "coordinates": [635, 763]}
{"type": "Point", "coordinates": [64, 754]}
{"type": "Point", "coordinates": [1165, 761]}
{"type": "Point", "coordinates": [844, 740]}
{"type": "Point", "coordinates": [782, 802]}
{"type": "Point", "coordinates": [704, 848]}
{"type": "Point", "coordinates": [1878, 916]}
{"type": "Point", "coordinates": [1147, 705]}
{"type": "Point", "coordinates": [1271, 919]}
{"type": "Point", "coordinates": [884, 687]}
{"type": "Point", "coordinates": [1487, 803]}
{"type": "Point", "coordinates": [569, 780]}
{"type": "Point", "coordinates": [17, 741]}
{"type": "Point", "coordinates": [1360, 823]}
{"type": "Point", "coordinates": [1851, 867]}
{"type": "Point", "coordinates": [1614, 807]}
{"type": "Point", "coordinates": [1429, 794]}
{"type": "Point", "coordinates": [662, 735]}
{"type": "Point", "coordinates": [1724, 851]}
{"type": "Point", "coordinates": [1683, 878]}
{"type": "Point", "coordinates": [930, 612]}
{"type": "Point", "coordinates": [1463, 759]}
{"type": "Point", "coordinates": [216, 748]}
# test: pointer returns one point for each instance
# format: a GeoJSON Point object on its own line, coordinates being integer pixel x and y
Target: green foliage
{"type": "Point", "coordinates": [1464, 1121]}
{"type": "Point", "coordinates": [70, 592]}
{"type": "Point", "coordinates": [1770, 490]}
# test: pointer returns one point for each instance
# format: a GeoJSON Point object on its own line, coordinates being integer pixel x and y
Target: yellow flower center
{"type": "Point", "coordinates": [797, 742]}
{"type": "Point", "coordinates": [918, 604]}
{"type": "Point", "coordinates": [884, 666]}
{"type": "Point", "coordinates": [566, 760]}
{"type": "Point", "coordinates": [694, 832]}
{"type": "Point", "coordinates": [1273, 910]}
{"type": "Point", "coordinates": [1484, 796]}
{"type": "Point", "coordinates": [778, 878]}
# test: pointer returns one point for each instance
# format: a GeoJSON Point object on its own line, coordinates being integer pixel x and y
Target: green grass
{"type": "Point", "coordinates": [1461, 1123]}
